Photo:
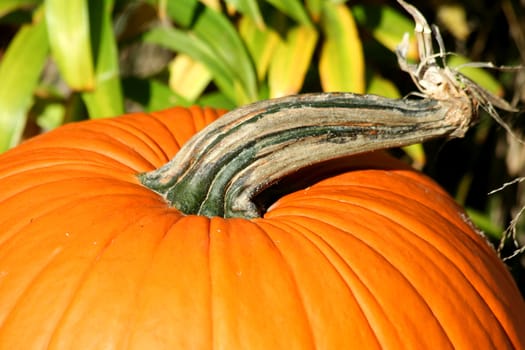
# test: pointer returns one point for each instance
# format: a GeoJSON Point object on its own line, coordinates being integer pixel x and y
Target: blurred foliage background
{"type": "Point", "coordinates": [64, 61]}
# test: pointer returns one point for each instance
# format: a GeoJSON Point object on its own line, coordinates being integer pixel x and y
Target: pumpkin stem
{"type": "Point", "coordinates": [223, 167]}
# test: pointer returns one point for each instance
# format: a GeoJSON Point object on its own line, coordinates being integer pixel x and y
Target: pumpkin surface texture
{"type": "Point", "coordinates": [378, 256]}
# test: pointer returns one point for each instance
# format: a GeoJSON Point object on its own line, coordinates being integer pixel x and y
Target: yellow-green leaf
{"type": "Point", "coordinates": [261, 44]}
{"type": "Point", "coordinates": [20, 69]}
{"type": "Point", "coordinates": [151, 94]}
{"type": "Point", "coordinates": [485, 223]}
{"type": "Point", "coordinates": [454, 18]}
{"type": "Point", "coordinates": [69, 37]}
{"type": "Point", "coordinates": [341, 65]}
{"type": "Point", "coordinates": [377, 85]}
{"type": "Point", "coordinates": [106, 99]}
{"type": "Point", "coordinates": [250, 8]}
{"type": "Point", "coordinates": [214, 4]}
{"type": "Point", "coordinates": [315, 8]}
{"type": "Point", "coordinates": [416, 152]}
{"type": "Point", "coordinates": [183, 42]}
{"type": "Point", "coordinates": [210, 35]}
{"type": "Point", "coordinates": [293, 8]}
{"type": "Point", "coordinates": [479, 75]}
{"type": "Point", "coordinates": [291, 61]}
{"type": "Point", "coordinates": [188, 78]}
{"type": "Point", "coordinates": [7, 6]}
{"type": "Point", "coordinates": [386, 25]}
{"type": "Point", "coordinates": [51, 117]}
{"type": "Point", "coordinates": [215, 99]}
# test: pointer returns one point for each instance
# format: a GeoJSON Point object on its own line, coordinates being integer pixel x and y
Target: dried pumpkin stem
{"type": "Point", "coordinates": [222, 168]}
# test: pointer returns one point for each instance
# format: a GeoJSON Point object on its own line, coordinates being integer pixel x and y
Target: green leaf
{"type": "Point", "coordinates": [188, 78]}
{"type": "Point", "coordinates": [250, 8]}
{"type": "Point", "coordinates": [106, 99]}
{"type": "Point", "coordinates": [7, 6]}
{"type": "Point", "coordinates": [341, 65]}
{"type": "Point", "coordinates": [315, 8]}
{"type": "Point", "coordinates": [196, 48]}
{"type": "Point", "coordinates": [294, 9]}
{"type": "Point", "coordinates": [215, 100]}
{"type": "Point", "coordinates": [152, 95]}
{"type": "Point", "coordinates": [261, 44]}
{"type": "Point", "coordinates": [291, 61]}
{"type": "Point", "coordinates": [479, 75]}
{"type": "Point", "coordinates": [453, 18]}
{"type": "Point", "coordinates": [183, 12]}
{"type": "Point", "coordinates": [217, 35]}
{"type": "Point", "coordinates": [68, 28]}
{"type": "Point", "coordinates": [417, 154]}
{"type": "Point", "coordinates": [377, 85]}
{"type": "Point", "coordinates": [386, 25]}
{"type": "Point", "coordinates": [484, 222]}
{"type": "Point", "coordinates": [52, 116]}
{"type": "Point", "coordinates": [222, 37]}
{"type": "Point", "coordinates": [20, 70]}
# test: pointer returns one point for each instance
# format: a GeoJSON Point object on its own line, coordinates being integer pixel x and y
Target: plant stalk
{"type": "Point", "coordinates": [223, 167]}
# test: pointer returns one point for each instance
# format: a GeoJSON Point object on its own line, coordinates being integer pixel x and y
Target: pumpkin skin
{"type": "Point", "coordinates": [377, 257]}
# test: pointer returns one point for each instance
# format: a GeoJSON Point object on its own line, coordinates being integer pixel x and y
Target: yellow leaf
{"type": "Point", "coordinates": [69, 38]}
{"type": "Point", "coordinates": [341, 66]}
{"type": "Point", "coordinates": [188, 78]}
{"type": "Point", "coordinates": [261, 43]}
{"type": "Point", "coordinates": [291, 61]}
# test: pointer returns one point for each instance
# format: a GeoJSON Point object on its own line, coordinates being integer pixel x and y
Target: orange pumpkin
{"type": "Point", "coordinates": [376, 257]}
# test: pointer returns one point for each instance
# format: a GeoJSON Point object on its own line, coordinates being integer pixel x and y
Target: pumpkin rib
{"type": "Point", "coordinates": [15, 305]}
{"type": "Point", "coordinates": [96, 257]}
{"type": "Point", "coordinates": [108, 133]}
{"type": "Point", "coordinates": [90, 269]}
{"type": "Point", "coordinates": [209, 278]}
{"type": "Point", "coordinates": [474, 288]}
{"type": "Point", "coordinates": [156, 149]}
{"type": "Point", "coordinates": [481, 245]}
{"type": "Point", "coordinates": [115, 153]}
{"type": "Point", "coordinates": [172, 272]}
{"type": "Point", "coordinates": [40, 158]}
{"type": "Point", "coordinates": [316, 209]}
{"type": "Point", "coordinates": [364, 299]}
{"type": "Point", "coordinates": [416, 290]}
{"type": "Point", "coordinates": [290, 272]}
{"type": "Point", "coordinates": [365, 206]}
{"type": "Point", "coordinates": [165, 147]}
{"type": "Point", "coordinates": [291, 229]}
{"type": "Point", "coordinates": [429, 205]}
{"type": "Point", "coordinates": [191, 119]}
{"type": "Point", "coordinates": [23, 182]}
{"type": "Point", "coordinates": [128, 189]}
{"type": "Point", "coordinates": [139, 292]}
{"type": "Point", "coordinates": [46, 210]}
{"type": "Point", "coordinates": [86, 139]}
{"type": "Point", "coordinates": [351, 202]}
{"type": "Point", "coordinates": [49, 164]}
{"type": "Point", "coordinates": [61, 206]}
{"type": "Point", "coordinates": [183, 123]}
{"type": "Point", "coordinates": [245, 265]}
{"type": "Point", "coordinates": [159, 119]}
{"type": "Point", "coordinates": [75, 294]}
{"type": "Point", "coordinates": [409, 177]}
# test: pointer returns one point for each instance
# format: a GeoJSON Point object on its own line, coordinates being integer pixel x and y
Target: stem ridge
{"type": "Point", "coordinates": [222, 168]}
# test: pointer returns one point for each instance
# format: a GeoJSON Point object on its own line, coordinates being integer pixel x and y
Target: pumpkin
{"type": "Point", "coordinates": [375, 255]}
